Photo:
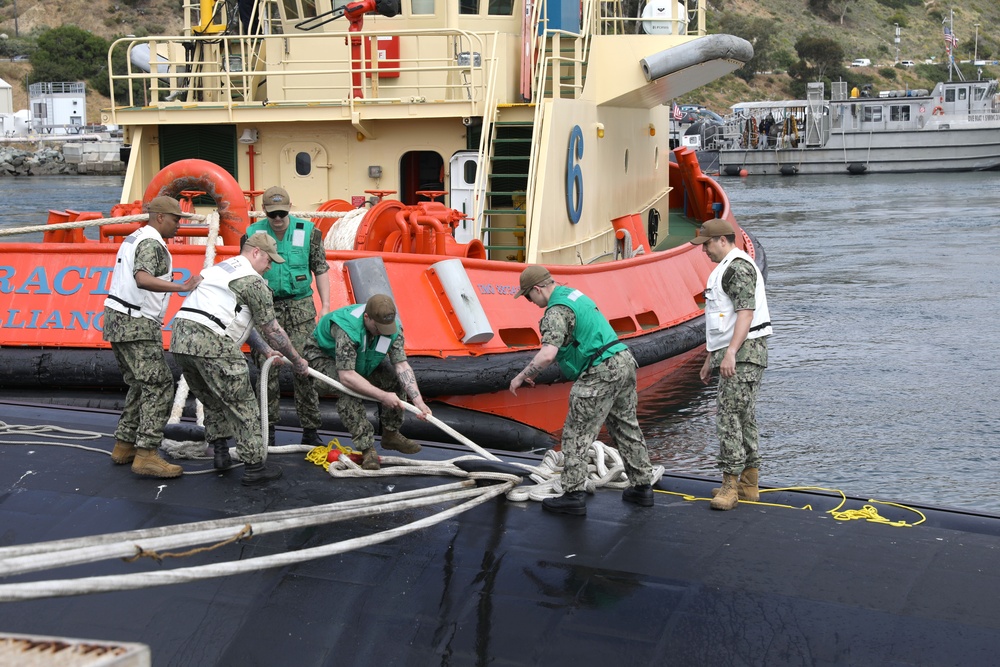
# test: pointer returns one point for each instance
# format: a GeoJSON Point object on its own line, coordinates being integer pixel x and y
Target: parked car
{"type": "Point", "coordinates": [861, 62]}
{"type": "Point", "coordinates": [20, 59]}
{"type": "Point", "coordinates": [907, 63]}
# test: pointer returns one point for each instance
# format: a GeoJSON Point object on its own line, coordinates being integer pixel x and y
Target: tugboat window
{"type": "Point", "coordinates": [949, 95]}
{"type": "Point", "coordinates": [422, 7]}
{"type": "Point", "coordinates": [501, 7]}
{"type": "Point", "coordinates": [303, 164]}
{"type": "Point", "coordinates": [291, 9]}
{"type": "Point", "coordinates": [308, 8]}
{"type": "Point", "coordinates": [962, 93]}
{"type": "Point", "coordinates": [899, 112]}
{"type": "Point", "coordinates": [468, 7]}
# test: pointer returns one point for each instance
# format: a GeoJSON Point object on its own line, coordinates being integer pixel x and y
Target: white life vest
{"type": "Point", "coordinates": [124, 295]}
{"type": "Point", "coordinates": [720, 315]}
{"type": "Point", "coordinates": [213, 304]}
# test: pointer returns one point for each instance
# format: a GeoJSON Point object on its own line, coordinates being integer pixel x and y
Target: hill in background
{"type": "Point", "coordinates": [863, 28]}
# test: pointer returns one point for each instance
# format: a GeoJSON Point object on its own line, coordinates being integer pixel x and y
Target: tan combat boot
{"type": "Point", "coordinates": [369, 459]}
{"type": "Point", "coordinates": [748, 485]}
{"type": "Point", "coordinates": [747, 488]}
{"type": "Point", "coordinates": [728, 497]}
{"type": "Point", "coordinates": [124, 452]}
{"type": "Point", "coordinates": [399, 442]}
{"type": "Point", "coordinates": [148, 462]}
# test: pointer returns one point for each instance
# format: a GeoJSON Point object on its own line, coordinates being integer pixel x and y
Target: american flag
{"type": "Point", "coordinates": [677, 112]}
{"type": "Point", "coordinates": [950, 40]}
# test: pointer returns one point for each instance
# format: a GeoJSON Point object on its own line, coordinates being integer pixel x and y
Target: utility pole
{"type": "Point", "coordinates": [16, 33]}
{"type": "Point", "coordinates": [897, 43]}
{"type": "Point", "coordinates": [976, 56]}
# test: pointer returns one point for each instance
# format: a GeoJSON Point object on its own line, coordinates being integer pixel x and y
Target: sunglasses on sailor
{"type": "Point", "coordinates": [277, 214]}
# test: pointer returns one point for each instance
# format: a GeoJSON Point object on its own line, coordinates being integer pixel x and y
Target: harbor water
{"type": "Point", "coordinates": [883, 363]}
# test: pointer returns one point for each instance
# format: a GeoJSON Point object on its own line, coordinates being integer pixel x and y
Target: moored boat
{"type": "Point", "coordinates": [954, 127]}
{"type": "Point", "coordinates": [542, 126]}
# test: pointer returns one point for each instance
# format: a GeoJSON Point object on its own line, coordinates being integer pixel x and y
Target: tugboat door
{"type": "Point", "coordinates": [462, 179]}
{"type": "Point", "coordinates": [305, 169]}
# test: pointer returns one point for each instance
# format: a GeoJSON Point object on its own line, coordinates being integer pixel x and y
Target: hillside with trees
{"type": "Point", "coordinates": [795, 41]}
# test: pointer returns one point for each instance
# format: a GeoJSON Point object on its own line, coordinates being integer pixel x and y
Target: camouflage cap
{"type": "Point", "coordinates": [382, 312]}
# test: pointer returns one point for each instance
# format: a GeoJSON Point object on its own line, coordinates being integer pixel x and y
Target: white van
{"type": "Point", "coordinates": [907, 63]}
{"type": "Point", "coordinates": [861, 62]}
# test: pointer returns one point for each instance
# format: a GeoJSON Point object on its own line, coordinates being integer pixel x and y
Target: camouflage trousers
{"type": "Point", "coordinates": [736, 421]}
{"type": "Point", "coordinates": [306, 398]}
{"type": "Point", "coordinates": [604, 394]}
{"type": "Point", "coordinates": [352, 410]}
{"type": "Point", "coordinates": [222, 384]}
{"type": "Point", "coordinates": [150, 392]}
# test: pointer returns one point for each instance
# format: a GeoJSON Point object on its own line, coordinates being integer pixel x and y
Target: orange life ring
{"type": "Point", "coordinates": [212, 179]}
{"type": "Point", "coordinates": [938, 111]}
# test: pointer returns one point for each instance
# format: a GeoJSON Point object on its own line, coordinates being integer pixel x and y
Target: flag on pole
{"type": "Point", "coordinates": [677, 112]}
{"type": "Point", "coordinates": [950, 40]}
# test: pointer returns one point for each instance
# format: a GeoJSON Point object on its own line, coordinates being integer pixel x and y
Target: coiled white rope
{"type": "Point", "coordinates": [344, 232]}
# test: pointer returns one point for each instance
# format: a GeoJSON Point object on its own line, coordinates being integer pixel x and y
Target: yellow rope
{"type": "Point", "coordinates": [867, 513]}
{"type": "Point", "coordinates": [321, 455]}
{"type": "Point", "coordinates": [246, 531]}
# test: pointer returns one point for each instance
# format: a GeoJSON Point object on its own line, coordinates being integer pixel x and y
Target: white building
{"type": "Point", "coordinates": [58, 107]}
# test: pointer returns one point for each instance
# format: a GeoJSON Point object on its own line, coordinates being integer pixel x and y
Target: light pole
{"type": "Point", "coordinates": [897, 43]}
{"type": "Point", "coordinates": [16, 33]}
{"type": "Point", "coordinates": [976, 56]}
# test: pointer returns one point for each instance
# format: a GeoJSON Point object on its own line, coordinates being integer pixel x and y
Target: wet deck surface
{"type": "Point", "coordinates": [506, 583]}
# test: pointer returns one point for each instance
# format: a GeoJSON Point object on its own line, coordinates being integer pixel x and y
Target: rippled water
{"type": "Point", "coordinates": [883, 290]}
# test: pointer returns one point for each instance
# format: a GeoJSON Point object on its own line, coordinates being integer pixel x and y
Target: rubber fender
{"type": "Point", "coordinates": [368, 278]}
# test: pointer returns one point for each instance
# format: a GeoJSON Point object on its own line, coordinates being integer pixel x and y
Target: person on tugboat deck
{"type": "Point", "coordinates": [579, 338]}
{"type": "Point", "coordinates": [362, 346]}
{"type": "Point", "coordinates": [133, 320]}
{"type": "Point", "coordinates": [209, 331]}
{"type": "Point", "coordinates": [737, 324]}
{"type": "Point", "coordinates": [300, 243]}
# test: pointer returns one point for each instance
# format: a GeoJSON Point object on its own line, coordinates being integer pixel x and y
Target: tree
{"type": "Point", "coordinates": [819, 57]}
{"type": "Point", "coordinates": [68, 53]}
{"type": "Point", "coordinates": [759, 32]}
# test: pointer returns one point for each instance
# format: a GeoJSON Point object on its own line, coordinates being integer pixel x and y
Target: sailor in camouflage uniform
{"type": "Point", "coordinates": [209, 330]}
{"type": "Point", "coordinates": [737, 324]}
{"type": "Point", "coordinates": [579, 338]}
{"type": "Point", "coordinates": [133, 318]}
{"type": "Point", "coordinates": [361, 346]}
{"type": "Point", "coordinates": [301, 245]}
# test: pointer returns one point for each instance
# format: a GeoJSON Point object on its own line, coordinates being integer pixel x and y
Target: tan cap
{"type": "Point", "coordinates": [531, 276]}
{"type": "Point", "coordinates": [165, 204]}
{"type": "Point", "coordinates": [382, 312]}
{"type": "Point", "coordinates": [276, 199]}
{"type": "Point", "coordinates": [711, 229]}
{"type": "Point", "coordinates": [264, 242]}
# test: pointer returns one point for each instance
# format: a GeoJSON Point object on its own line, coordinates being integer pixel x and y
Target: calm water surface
{"type": "Point", "coordinates": [883, 291]}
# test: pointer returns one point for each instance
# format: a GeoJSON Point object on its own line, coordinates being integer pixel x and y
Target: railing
{"type": "Point", "coordinates": [435, 66]}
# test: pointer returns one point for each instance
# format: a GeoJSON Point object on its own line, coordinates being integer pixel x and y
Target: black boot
{"type": "Point", "coordinates": [639, 495]}
{"type": "Point", "coordinates": [260, 473]}
{"type": "Point", "coordinates": [567, 503]}
{"type": "Point", "coordinates": [311, 437]}
{"type": "Point", "coordinates": [222, 459]}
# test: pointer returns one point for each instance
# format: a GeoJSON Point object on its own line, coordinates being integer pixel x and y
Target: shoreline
{"type": "Point", "coordinates": [66, 159]}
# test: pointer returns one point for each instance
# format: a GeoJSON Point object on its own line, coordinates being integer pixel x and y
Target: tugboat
{"type": "Point", "coordinates": [440, 146]}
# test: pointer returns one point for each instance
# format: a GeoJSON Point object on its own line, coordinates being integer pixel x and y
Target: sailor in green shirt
{"type": "Point", "coordinates": [300, 243]}
{"type": "Point", "coordinates": [361, 346]}
{"type": "Point", "coordinates": [579, 338]}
